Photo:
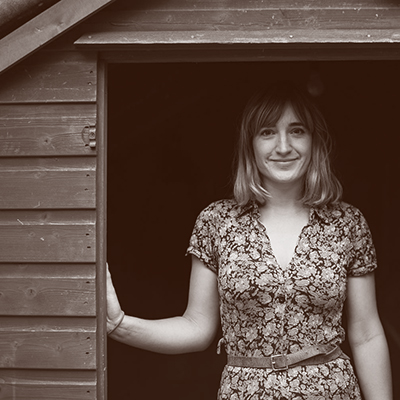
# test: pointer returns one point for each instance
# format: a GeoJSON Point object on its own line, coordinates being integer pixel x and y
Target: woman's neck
{"type": "Point", "coordinates": [284, 199]}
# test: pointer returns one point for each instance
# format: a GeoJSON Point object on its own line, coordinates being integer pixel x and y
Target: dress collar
{"type": "Point", "coordinates": [250, 208]}
{"type": "Point", "coordinates": [321, 213]}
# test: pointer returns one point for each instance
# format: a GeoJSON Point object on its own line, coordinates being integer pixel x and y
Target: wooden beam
{"type": "Point", "coordinates": [132, 39]}
{"type": "Point", "coordinates": [223, 17]}
{"type": "Point", "coordinates": [249, 4]}
{"type": "Point", "coordinates": [44, 28]}
{"type": "Point", "coordinates": [14, 13]}
{"type": "Point", "coordinates": [254, 53]}
{"type": "Point", "coordinates": [101, 232]}
{"type": "Point", "coordinates": [268, 45]}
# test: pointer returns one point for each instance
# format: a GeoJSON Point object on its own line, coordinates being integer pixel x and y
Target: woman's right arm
{"type": "Point", "coordinates": [193, 331]}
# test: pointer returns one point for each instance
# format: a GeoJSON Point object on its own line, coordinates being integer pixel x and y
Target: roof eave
{"type": "Point", "coordinates": [45, 27]}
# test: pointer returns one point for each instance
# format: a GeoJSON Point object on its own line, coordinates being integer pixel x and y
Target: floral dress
{"type": "Point", "coordinates": [268, 310]}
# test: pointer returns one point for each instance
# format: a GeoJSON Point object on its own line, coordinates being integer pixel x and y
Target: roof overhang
{"type": "Point", "coordinates": [44, 28]}
{"type": "Point", "coordinates": [292, 44]}
{"type": "Point", "coordinates": [14, 13]}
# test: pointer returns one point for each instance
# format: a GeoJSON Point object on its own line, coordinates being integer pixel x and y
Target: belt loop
{"type": "Point", "coordinates": [221, 342]}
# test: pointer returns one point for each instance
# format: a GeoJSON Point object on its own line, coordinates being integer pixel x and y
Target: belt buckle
{"type": "Point", "coordinates": [279, 362]}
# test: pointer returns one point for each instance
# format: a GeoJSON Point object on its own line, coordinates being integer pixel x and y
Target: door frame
{"type": "Point", "coordinates": [172, 53]}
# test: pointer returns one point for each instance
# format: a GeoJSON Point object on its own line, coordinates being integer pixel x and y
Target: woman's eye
{"type": "Point", "coordinates": [298, 131]}
{"type": "Point", "coordinates": [266, 132]}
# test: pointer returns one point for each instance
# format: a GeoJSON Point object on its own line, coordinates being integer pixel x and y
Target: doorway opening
{"type": "Point", "coordinates": [171, 137]}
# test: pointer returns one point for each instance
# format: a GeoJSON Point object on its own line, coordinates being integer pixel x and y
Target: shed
{"type": "Point", "coordinates": [141, 97]}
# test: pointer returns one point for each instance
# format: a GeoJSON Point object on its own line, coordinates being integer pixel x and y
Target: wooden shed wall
{"type": "Point", "coordinates": [47, 228]}
{"type": "Point", "coordinates": [48, 170]}
{"type": "Point", "coordinates": [278, 20]}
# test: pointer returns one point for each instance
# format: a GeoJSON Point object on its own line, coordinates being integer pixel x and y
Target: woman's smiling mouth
{"type": "Point", "coordinates": [284, 160]}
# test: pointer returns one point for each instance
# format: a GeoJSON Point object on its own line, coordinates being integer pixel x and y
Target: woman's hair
{"type": "Point", "coordinates": [321, 187]}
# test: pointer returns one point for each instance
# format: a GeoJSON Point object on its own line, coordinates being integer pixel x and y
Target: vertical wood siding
{"type": "Point", "coordinates": [47, 228]}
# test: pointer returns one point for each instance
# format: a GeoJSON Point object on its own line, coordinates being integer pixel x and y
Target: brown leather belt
{"type": "Point", "coordinates": [313, 355]}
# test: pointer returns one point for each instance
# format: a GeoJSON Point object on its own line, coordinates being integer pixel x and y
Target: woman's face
{"type": "Point", "coordinates": [283, 152]}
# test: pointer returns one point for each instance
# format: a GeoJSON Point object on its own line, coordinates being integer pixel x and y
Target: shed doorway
{"type": "Point", "coordinates": [172, 128]}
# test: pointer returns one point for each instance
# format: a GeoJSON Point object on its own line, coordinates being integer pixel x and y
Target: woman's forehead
{"type": "Point", "coordinates": [269, 116]}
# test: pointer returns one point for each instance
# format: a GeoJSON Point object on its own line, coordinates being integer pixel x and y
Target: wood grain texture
{"type": "Point", "coordinates": [48, 183]}
{"type": "Point", "coordinates": [45, 27]}
{"type": "Point", "coordinates": [101, 232]}
{"type": "Point", "coordinates": [46, 129]}
{"type": "Point", "coordinates": [47, 289]}
{"type": "Point", "coordinates": [193, 23]}
{"type": "Point", "coordinates": [132, 40]}
{"type": "Point", "coordinates": [240, 53]}
{"type": "Point", "coordinates": [245, 18]}
{"type": "Point", "coordinates": [47, 343]}
{"type": "Point", "coordinates": [47, 384]}
{"type": "Point", "coordinates": [51, 77]}
{"type": "Point", "coordinates": [47, 236]}
{"type": "Point", "coordinates": [13, 13]}
{"type": "Point", "coordinates": [124, 5]}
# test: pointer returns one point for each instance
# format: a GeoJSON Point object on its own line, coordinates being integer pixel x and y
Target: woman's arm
{"type": "Point", "coordinates": [193, 331]}
{"type": "Point", "coordinates": [367, 339]}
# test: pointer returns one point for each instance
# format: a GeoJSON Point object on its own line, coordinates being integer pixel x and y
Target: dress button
{"type": "Point", "coordinates": [281, 299]}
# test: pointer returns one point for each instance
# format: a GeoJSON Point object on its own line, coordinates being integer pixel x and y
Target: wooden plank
{"type": "Point", "coordinates": [45, 27]}
{"type": "Point", "coordinates": [51, 77]}
{"type": "Point", "coordinates": [126, 5]}
{"type": "Point", "coordinates": [15, 13]}
{"type": "Point", "coordinates": [246, 18]}
{"type": "Point", "coordinates": [39, 271]}
{"type": "Point", "coordinates": [131, 40]}
{"type": "Point", "coordinates": [46, 129]}
{"type": "Point", "coordinates": [101, 233]}
{"type": "Point", "coordinates": [47, 384]}
{"type": "Point", "coordinates": [47, 343]}
{"type": "Point", "coordinates": [47, 236]}
{"type": "Point", "coordinates": [47, 289]}
{"type": "Point", "coordinates": [48, 183]}
{"type": "Point", "coordinates": [229, 53]}
{"type": "Point", "coordinates": [71, 350]}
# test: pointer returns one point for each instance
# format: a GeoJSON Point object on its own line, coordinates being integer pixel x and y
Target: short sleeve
{"type": "Point", "coordinates": [363, 255]}
{"type": "Point", "coordinates": [202, 243]}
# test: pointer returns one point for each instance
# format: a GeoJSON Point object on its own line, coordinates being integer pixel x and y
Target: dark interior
{"type": "Point", "coordinates": [171, 137]}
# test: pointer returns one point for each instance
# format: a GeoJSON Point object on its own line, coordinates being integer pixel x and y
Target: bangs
{"type": "Point", "coordinates": [270, 107]}
{"type": "Point", "coordinates": [305, 114]}
{"type": "Point", "coordinates": [267, 115]}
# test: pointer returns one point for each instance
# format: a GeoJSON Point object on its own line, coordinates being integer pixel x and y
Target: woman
{"type": "Point", "coordinates": [275, 265]}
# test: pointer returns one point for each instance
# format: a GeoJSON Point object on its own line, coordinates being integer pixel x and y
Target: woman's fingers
{"type": "Point", "coordinates": [113, 307]}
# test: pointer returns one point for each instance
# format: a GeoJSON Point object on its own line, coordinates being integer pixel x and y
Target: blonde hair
{"type": "Point", "coordinates": [321, 187]}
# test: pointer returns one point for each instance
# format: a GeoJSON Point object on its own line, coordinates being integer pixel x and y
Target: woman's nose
{"type": "Point", "coordinates": [283, 146]}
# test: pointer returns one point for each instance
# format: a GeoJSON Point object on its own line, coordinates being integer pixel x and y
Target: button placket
{"type": "Point", "coordinates": [280, 296]}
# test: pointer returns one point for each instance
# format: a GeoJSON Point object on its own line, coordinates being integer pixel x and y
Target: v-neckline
{"type": "Point", "coordinates": [294, 251]}
{"type": "Point", "coordinates": [271, 249]}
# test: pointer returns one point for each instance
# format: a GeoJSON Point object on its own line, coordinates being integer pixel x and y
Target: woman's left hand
{"type": "Point", "coordinates": [114, 311]}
